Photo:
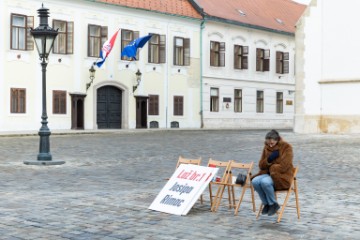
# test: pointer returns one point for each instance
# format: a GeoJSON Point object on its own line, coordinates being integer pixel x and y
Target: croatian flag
{"type": "Point", "coordinates": [131, 49]}
{"type": "Point", "coordinates": [106, 49]}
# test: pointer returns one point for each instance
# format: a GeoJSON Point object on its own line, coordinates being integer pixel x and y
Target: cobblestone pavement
{"type": "Point", "coordinates": [104, 189]}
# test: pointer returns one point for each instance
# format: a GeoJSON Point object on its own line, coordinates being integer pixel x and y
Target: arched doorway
{"type": "Point", "coordinates": [77, 110]}
{"type": "Point", "coordinates": [108, 107]}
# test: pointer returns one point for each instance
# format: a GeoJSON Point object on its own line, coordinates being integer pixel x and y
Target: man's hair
{"type": "Point", "coordinates": [273, 134]}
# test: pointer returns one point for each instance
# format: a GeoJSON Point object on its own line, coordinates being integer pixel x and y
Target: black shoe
{"type": "Point", "coordinates": [273, 209]}
{"type": "Point", "coordinates": [265, 209]}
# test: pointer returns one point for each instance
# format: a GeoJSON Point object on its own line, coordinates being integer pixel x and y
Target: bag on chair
{"type": "Point", "coordinates": [241, 179]}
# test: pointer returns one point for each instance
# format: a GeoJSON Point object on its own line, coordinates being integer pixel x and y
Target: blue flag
{"type": "Point", "coordinates": [131, 49]}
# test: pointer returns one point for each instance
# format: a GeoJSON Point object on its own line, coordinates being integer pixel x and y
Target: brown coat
{"type": "Point", "coordinates": [281, 169]}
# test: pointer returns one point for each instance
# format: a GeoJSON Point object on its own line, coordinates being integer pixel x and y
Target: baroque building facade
{"type": "Point", "coordinates": [202, 68]}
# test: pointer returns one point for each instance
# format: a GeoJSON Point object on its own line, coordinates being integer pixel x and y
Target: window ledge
{"type": "Point", "coordinates": [337, 81]}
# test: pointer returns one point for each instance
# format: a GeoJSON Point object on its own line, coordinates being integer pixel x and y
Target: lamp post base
{"type": "Point", "coordinates": [43, 163]}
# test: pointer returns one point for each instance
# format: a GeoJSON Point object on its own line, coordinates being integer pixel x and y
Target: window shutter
{"type": "Point", "coordinates": [278, 66]}
{"type": "Point", "coordinates": [236, 56]}
{"type": "Point", "coordinates": [267, 54]}
{"type": "Point", "coordinates": [135, 36]}
{"type": "Point", "coordinates": [245, 50]}
{"type": "Point", "coordinates": [286, 56]}
{"type": "Point", "coordinates": [149, 47]}
{"type": "Point", "coordinates": [187, 51]}
{"type": "Point", "coordinates": [212, 54]}
{"type": "Point", "coordinates": [244, 62]}
{"type": "Point", "coordinates": [258, 59]}
{"type": "Point", "coordinates": [222, 54]}
{"type": "Point", "coordinates": [278, 55]}
{"type": "Point", "coordinates": [266, 65]}
{"type": "Point", "coordinates": [174, 52]}
{"type": "Point", "coordinates": [29, 39]}
{"type": "Point", "coordinates": [70, 38]}
{"type": "Point", "coordinates": [286, 67]}
{"type": "Point", "coordinates": [22, 98]}
{"type": "Point", "coordinates": [63, 102]}
{"type": "Point", "coordinates": [162, 49]}
{"type": "Point", "coordinates": [258, 52]}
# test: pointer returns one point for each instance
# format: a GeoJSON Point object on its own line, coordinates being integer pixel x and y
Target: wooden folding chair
{"type": "Point", "coordinates": [224, 167]}
{"type": "Point", "coordinates": [293, 189]}
{"type": "Point", "coordinates": [183, 160]}
{"type": "Point", "coordinates": [195, 161]}
{"type": "Point", "coordinates": [246, 169]}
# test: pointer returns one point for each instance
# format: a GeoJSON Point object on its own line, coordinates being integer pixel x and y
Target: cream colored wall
{"type": "Point", "coordinates": [71, 72]}
{"type": "Point", "coordinates": [328, 77]}
{"type": "Point", "coordinates": [227, 79]}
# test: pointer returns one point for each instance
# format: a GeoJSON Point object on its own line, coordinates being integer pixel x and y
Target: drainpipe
{"type": "Point", "coordinates": [202, 26]}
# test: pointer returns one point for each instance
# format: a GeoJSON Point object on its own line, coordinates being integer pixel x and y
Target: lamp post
{"type": "Point", "coordinates": [138, 79]}
{"type": "Point", "coordinates": [44, 37]}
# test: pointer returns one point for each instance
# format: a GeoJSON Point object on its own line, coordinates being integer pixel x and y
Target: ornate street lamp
{"type": "Point", "coordinates": [138, 80]}
{"type": "Point", "coordinates": [44, 37]}
{"type": "Point", "coordinates": [92, 76]}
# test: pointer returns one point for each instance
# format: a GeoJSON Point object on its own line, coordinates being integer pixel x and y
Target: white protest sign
{"type": "Point", "coordinates": [183, 189]}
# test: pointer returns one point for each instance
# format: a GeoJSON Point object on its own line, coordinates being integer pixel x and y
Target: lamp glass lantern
{"type": "Point", "coordinates": [92, 76]}
{"type": "Point", "coordinates": [138, 80]}
{"type": "Point", "coordinates": [44, 35]}
{"type": "Point", "coordinates": [92, 72]}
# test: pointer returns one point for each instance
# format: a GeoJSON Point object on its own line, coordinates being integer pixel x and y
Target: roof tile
{"type": "Point", "coordinates": [261, 13]}
{"type": "Point", "coordinates": [176, 7]}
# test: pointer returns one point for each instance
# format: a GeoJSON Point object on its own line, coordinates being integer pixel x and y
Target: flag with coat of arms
{"type": "Point", "coordinates": [106, 49]}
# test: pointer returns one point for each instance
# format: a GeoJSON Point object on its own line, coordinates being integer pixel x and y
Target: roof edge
{"type": "Point", "coordinates": [228, 21]}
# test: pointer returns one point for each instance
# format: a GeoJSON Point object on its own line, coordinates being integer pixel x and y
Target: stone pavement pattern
{"type": "Point", "coordinates": [104, 189]}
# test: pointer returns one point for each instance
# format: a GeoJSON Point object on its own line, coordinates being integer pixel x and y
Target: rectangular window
{"type": "Point", "coordinates": [157, 46]}
{"type": "Point", "coordinates": [214, 100]}
{"type": "Point", "coordinates": [59, 102]}
{"type": "Point", "coordinates": [21, 38]}
{"type": "Point", "coordinates": [153, 105]}
{"type": "Point", "coordinates": [241, 57]}
{"type": "Point", "coordinates": [178, 105]}
{"type": "Point", "coordinates": [181, 51]}
{"type": "Point", "coordinates": [279, 102]}
{"type": "Point", "coordinates": [217, 54]}
{"type": "Point", "coordinates": [282, 62]}
{"type": "Point", "coordinates": [262, 60]}
{"type": "Point", "coordinates": [97, 36]}
{"type": "Point", "coordinates": [18, 100]}
{"type": "Point", "coordinates": [237, 100]}
{"type": "Point", "coordinates": [260, 101]}
{"type": "Point", "coordinates": [126, 37]}
{"type": "Point", "coordinates": [64, 41]}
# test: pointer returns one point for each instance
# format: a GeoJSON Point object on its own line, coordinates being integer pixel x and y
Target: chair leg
{"type": "Point", "coordinates": [297, 199]}
{"type": "Point", "coordinates": [259, 212]}
{"type": "Point", "coordinates": [218, 198]}
{"type": "Point", "coordinates": [240, 200]}
{"type": "Point", "coordinates": [231, 193]}
{"type": "Point", "coordinates": [215, 199]}
{"type": "Point", "coordinates": [211, 196]}
{"type": "Point", "coordinates": [233, 196]}
{"type": "Point", "coordinates": [253, 198]}
{"type": "Point", "coordinates": [284, 205]}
